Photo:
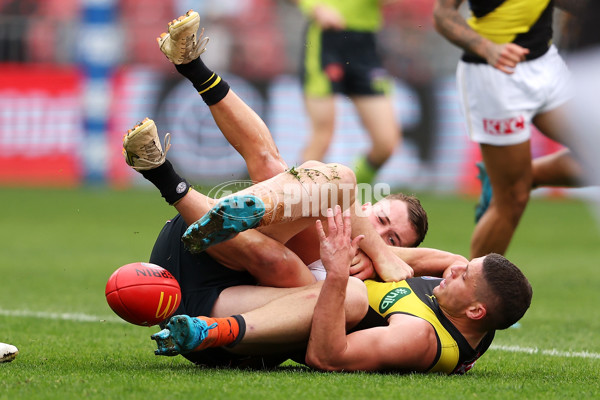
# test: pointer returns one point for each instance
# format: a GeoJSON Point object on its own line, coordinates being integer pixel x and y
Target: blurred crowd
{"type": "Point", "coordinates": [257, 39]}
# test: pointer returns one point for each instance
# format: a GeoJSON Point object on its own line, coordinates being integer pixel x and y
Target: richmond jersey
{"type": "Point", "coordinates": [527, 23]}
{"type": "Point", "coordinates": [415, 297]}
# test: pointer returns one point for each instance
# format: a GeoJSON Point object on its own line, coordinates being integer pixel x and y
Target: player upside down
{"type": "Point", "coordinates": [418, 324]}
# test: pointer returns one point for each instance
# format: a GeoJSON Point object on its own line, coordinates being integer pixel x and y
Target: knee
{"type": "Point", "coordinates": [344, 180]}
{"type": "Point", "coordinates": [336, 173]}
{"type": "Point", "coordinates": [512, 202]}
{"type": "Point", "coordinates": [342, 173]}
{"type": "Point", "coordinates": [384, 150]}
{"type": "Point", "coordinates": [312, 164]}
{"type": "Point", "coordinates": [267, 165]}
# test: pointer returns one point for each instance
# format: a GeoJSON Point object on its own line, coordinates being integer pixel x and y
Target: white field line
{"type": "Point", "coordinates": [80, 317]}
{"type": "Point", "coordinates": [551, 352]}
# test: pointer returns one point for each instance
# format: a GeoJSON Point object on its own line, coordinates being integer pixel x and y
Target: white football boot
{"type": "Point", "coordinates": [141, 146]}
{"type": "Point", "coordinates": [8, 352]}
{"type": "Point", "coordinates": [181, 44]}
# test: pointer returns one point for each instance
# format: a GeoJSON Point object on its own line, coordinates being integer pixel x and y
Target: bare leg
{"type": "Point", "coordinates": [280, 325]}
{"type": "Point", "coordinates": [295, 198]}
{"type": "Point", "coordinates": [510, 172]}
{"type": "Point", "coordinates": [305, 192]}
{"type": "Point", "coordinates": [321, 112]}
{"type": "Point", "coordinates": [557, 169]}
{"type": "Point", "coordinates": [287, 320]}
{"type": "Point", "coordinates": [241, 126]}
{"type": "Point", "coordinates": [512, 175]}
{"type": "Point", "coordinates": [243, 299]}
{"type": "Point", "coordinates": [560, 168]}
{"type": "Point", "coordinates": [266, 259]}
{"type": "Point", "coordinates": [249, 135]}
{"type": "Point", "coordinates": [377, 116]}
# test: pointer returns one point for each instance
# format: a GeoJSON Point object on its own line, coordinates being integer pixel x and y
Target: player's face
{"type": "Point", "coordinates": [457, 290]}
{"type": "Point", "coordinates": [390, 219]}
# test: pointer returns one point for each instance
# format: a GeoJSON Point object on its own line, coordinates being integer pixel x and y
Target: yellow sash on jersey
{"type": "Point", "coordinates": [508, 20]}
{"type": "Point", "coordinates": [397, 297]}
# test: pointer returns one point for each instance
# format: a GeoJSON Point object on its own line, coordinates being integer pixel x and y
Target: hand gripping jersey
{"type": "Point", "coordinates": [527, 23]}
{"type": "Point", "coordinates": [415, 297]}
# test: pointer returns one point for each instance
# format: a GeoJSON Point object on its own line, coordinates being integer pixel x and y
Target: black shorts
{"type": "Point", "coordinates": [201, 278]}
{"type": "Point", "coordinates": [343, 62]}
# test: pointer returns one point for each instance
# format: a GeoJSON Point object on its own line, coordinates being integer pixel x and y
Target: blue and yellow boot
{"type": "Point", "coordinates": [486, 192]}
{"type": "Point", "coordinates": [230, 216]}
{"type": "Point", "coordinates": [181, 335]}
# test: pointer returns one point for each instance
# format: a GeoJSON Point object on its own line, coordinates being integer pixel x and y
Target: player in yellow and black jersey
{"type": "Point", "coordinates": [525, 23]}
{"type": "Point", "coordinates": [442, 325]}
{"type": "Point", "coordinates": [414, 297]}
{"type": "Point", "coordinates": [510, 78]}
{"type": "Point", "coordinates": [421, 324]}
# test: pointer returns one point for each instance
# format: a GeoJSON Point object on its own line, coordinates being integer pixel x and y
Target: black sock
{"type": "Point", "coordinates": [242, 323]}
{"type": "Point", "coordinates": [208, 84]}
{"type": "Point", "coordinates": [171, 186]}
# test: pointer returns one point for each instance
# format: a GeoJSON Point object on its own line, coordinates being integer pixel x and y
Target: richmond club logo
{"type": "Point", "coordinates": [392, 297]}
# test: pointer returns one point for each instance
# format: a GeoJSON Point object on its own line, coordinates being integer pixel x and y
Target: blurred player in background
{"type": "Point", "coordinates": [584, 61]}
{"type": "Point", "coordinates": [510, 75]}
{"type": "Point", "coordinates": [340, 57]}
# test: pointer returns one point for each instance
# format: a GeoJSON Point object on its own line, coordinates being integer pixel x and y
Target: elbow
{"type": "Point", "coordinates": [320, 363]}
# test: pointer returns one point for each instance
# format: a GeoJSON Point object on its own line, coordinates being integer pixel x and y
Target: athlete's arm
{"type": "Point", "coordinates": [325, 16]}
{"type": "Point", "coordinates": [362, 267]}
{"type": "Point", "coordinates": [427, 262]}
{"type": "Point", "coordinates": [423, 261]}
{"type": "Point", "coordinates": [450, 24]}
{"type": "Point", "coordinates": [388, 265]}
{"type": "Point", "coordinates": [407, 344]}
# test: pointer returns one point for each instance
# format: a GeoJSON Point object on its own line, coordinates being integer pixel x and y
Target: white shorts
{"type": "Point", "coordinates": [318, 270]}
{"type": "Point", "coordinates": [499, 107]}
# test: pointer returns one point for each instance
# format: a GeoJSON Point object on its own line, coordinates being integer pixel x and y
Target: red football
{"type": "Point", "coordinates": [143, 293]}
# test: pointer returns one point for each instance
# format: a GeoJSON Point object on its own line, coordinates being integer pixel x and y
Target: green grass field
{"type": "Point", "coordinates": [60, 246]}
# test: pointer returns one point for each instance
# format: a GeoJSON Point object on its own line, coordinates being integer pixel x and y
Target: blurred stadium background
{"type": "Point", "coordinates": [76, 74]}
